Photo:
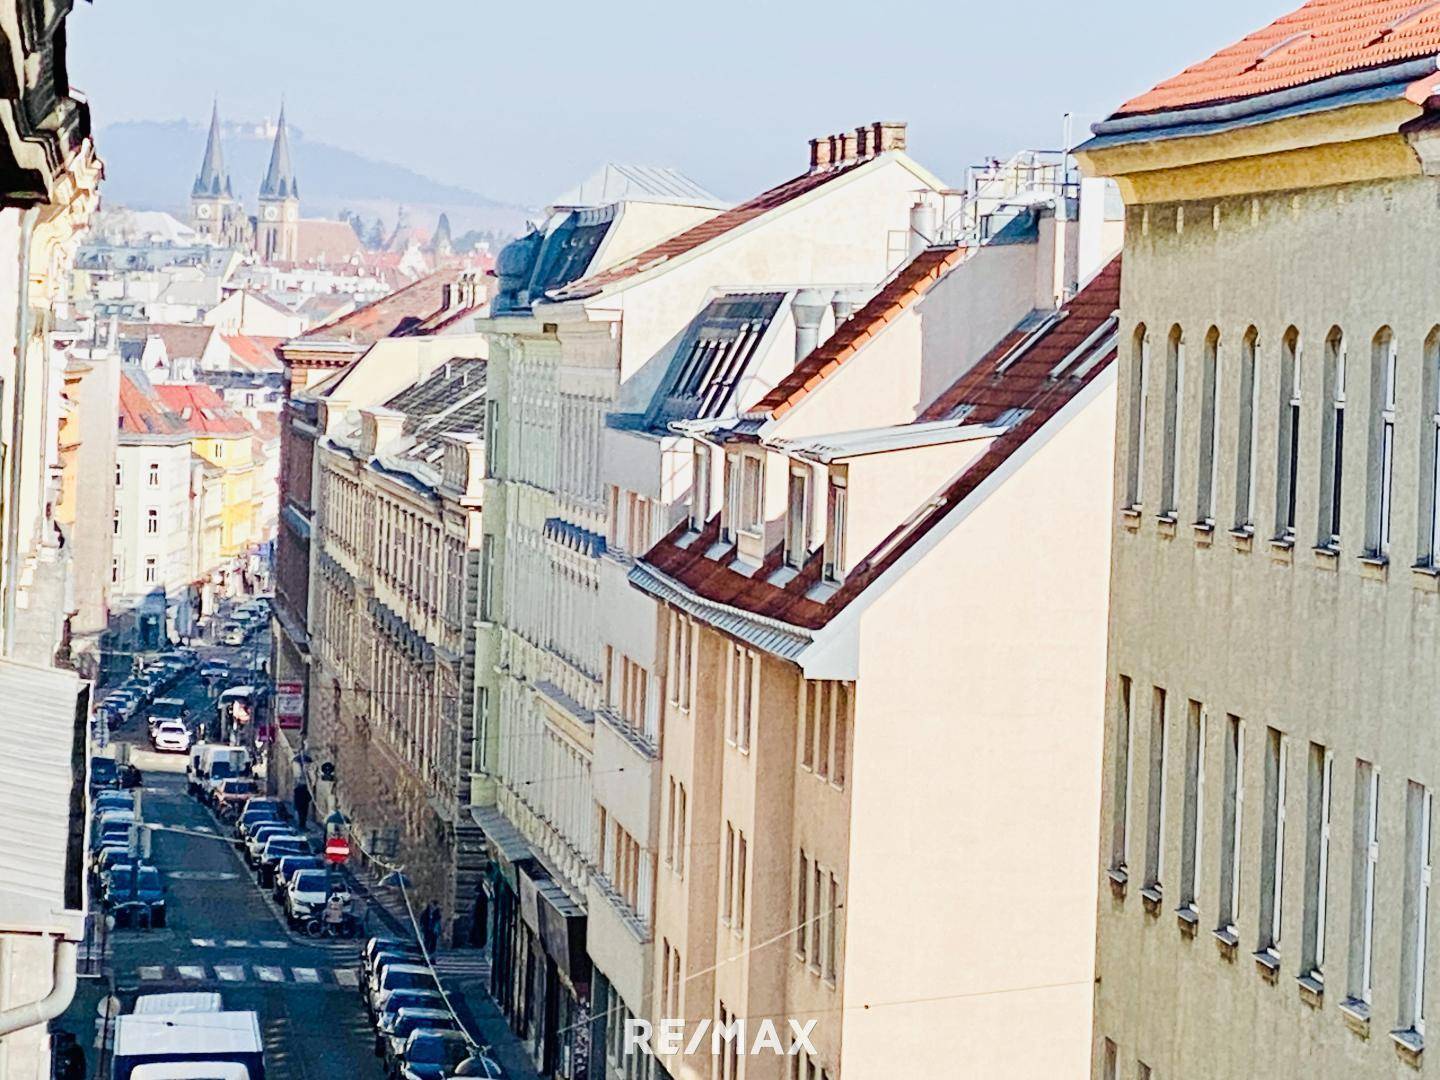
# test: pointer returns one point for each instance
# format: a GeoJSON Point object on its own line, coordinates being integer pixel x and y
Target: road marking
{"type": "Point", "coordinates": [202, 875]}
{"type": "Point", "coordinates": [346, 976]}
{"type": "Point", "coordinates": [203, 942]}
{"type": "Point", "coordinates": [270, 974]}
{"type": "Point", "coordinates": [191, 971]}
{"type": "Point", "coordinates": [203, 828]}
{"type": "Point", "coordinates": [274, 944]}
{"type": "Point", "coordinates": [305, 975]}
{"type": "Point", "coordinates": [151, 972]}
{"type": "Point", "coordinates": [229, 972]}
{"type": "Point", "coordinates": [233, 943]}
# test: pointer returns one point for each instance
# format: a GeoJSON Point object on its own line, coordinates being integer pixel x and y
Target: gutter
{"type": "Point", "coordinates": [62, 992]}
{"type": "Point", "coordinates": [17, 456]}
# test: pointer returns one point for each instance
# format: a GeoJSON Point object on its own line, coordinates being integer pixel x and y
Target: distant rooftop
{"type": "Point", "coordinates": [614, 182]}
{"type": "Point", "coordinates": [450, 400]}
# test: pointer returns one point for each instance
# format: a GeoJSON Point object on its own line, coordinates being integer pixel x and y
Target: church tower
{"type": "Point", "coordinates": [214, 213]}
{"type": "Point", "coordinates": [277, 226]}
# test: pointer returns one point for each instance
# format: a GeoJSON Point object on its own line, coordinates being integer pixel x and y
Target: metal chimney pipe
{"type": "Point", "coordinates": [923, 231]}
{"type": "Point", "coordinates": [808, 308]}
{"type": "Point", "coordinates": [845, 303]}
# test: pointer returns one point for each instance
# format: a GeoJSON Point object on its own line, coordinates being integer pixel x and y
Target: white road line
{"type": "Point", "coordinates": [274, 944]}
{"type": "Point", "coordinates": [305, 975]}
{"type": "Point", "coordinates": [150, 971]}
{"type": "Point", "coordinates": [269, 974]}
{"type": "Point", "coordinates": [233, 943]}
{"type": "Point", "coordinates": [230, 972]}
{"type": "Point", "coordinates": [203, 942]}
{"type": "Point", "coordinates": [191, 971]}
{"type": "Point", "coordinates": [346, 976]}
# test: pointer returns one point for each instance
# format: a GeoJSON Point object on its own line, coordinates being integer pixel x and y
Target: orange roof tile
{"type": "Point", "coordinates": [1321, 39]}
{"type": "Point", "coordinates": [254, 352]}
{"type": "Point", "coordinates": [709, 229]}
{"type": "Point", "coordinates": [201, 410]}
{"type": "Point", "coordinates": [910, 283]}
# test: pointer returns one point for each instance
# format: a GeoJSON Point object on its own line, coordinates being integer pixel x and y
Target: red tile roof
{"type": "Point", "coordinates": [1025, 383]}
{"type": "Point", "coordinates": [201, 410]}
{"type": "Point", "coordinates": [253, 352]}
{"type": "Point", "coordinates": [913, 281]}
{"type": "Point", "coordinates": [320, 241]}
{"type": "Point", "coordinates": [389, 316]}
{"type": "Point", "coordinates": [1321, 39]}
{"type": "Point", "coordinates": [142, 412]}
{"type": "Point", "coordinates": [708, 230]}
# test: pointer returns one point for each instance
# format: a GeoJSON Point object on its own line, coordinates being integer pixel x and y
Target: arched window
{"type": "Point", "coordinates": [1380, 456]}
{"type": "Point", "coordinates": [1205, 476]}
{"type": "Point", "coordinates": [1174, 411]}
{"type": "Point", "coordinates": [1135, 418]}
{"type": "Point", "coordinates": [1287, 458]}
{"type": "Point", "coordinates": [1247, 413]}
{"type": "Point", "coordinates": [1332, 442]}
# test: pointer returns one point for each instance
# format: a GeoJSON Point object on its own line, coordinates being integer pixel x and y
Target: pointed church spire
{"type": "Point", "coordinates": [279, 182]}
{"type": "Point", "coordinates": [213, 179]}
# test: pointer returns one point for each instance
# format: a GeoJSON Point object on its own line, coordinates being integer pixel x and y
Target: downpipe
{"type": "Point", "coordinates": [53, 1003]}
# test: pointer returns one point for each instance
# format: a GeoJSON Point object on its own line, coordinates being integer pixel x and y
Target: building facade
{"type": "Point", "coordinates": [1270, 757]}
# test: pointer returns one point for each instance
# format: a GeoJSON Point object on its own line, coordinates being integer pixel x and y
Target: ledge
{"type": "Point", "coordinates": [1119, 881]}
{"type": "Point", "coordinates": [1152, 896]}
{"type": "Point", "coordinates": [1188, 919]}
{"type": "Point", "coordinates": [1357, 1016]}
{"type": "Point", "coordinates": [1130, 517]}
{"type": "Point", "coordinates": [1165, 526]}
{"type": "Point", "coordinates": [1282, 549]}
{"type": "Point", "coordinates": [1312, 990]}
{"type": "Point", "coordinates": [1204, 532]}
{"type": "Point", "coordinates": [1243, 538]}
{"type": "Point", "coordinates": [1425, 578]}
{"type": "Point", "coordinates": [1326, 557]}
{"type": "Point", "coordinates": [1409, 1045]}
{"type": "Point", "coordinates": [1374, 567]}
{"type": "Point", "coordinates": [1267, 964]}
{"type": "Point", "coordinates": [1227, 943]}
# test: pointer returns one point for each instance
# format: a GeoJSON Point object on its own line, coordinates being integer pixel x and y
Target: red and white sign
{"type": "Point", "coordinates": [337, 849]}
{"type": "Point", "coordinates": [290, 704]}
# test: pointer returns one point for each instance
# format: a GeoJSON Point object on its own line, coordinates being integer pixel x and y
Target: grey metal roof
{"type": "Point", "coordinates": [846, 444]}
{"type": "Point", "coordinates": [40, 876]}
{"type": "Point", "coordinates": [769, 635]}
{"type": "Point", "coordinates": [450, 400]}
{"type": "Point", "coordinates": [614, 182]}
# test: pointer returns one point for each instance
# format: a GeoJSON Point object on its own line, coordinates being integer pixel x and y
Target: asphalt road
{"type": "Point", "coordinates": [224, 934]}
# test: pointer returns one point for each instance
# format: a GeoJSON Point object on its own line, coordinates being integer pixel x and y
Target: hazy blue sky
{"type": "Point", "coordinates": [518, 100]}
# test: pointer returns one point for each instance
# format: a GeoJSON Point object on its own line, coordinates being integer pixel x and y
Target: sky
{"type": "Point", "coordinates": [519, 101]}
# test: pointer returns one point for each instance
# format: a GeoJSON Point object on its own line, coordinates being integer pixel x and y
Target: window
{"type": "Point", "coordinates": [682, 660]}
{"type": "Point", "coordinates": [1155, 804]}
{"type": "Point", "coordinates": [1174, 413]}
{"type": "Point", "coordinates": [813, 926]}
{"type": "Point", "coordinates": [1332, 445]}
{"type": "Point", "coordinates": [1287, 465]}
{"type": "Point", "coordinates": [832, 928]}
{"type": "Point", "coordinates": [1272, 845]}
{"type": "Point", "coordinates": [727, 897]}
{"type": "Point", "coordinates": [1362, 885]}
{"type": "Point", "coordinates": [1193, 834]}
{"type": "Point", "coordinates": [670, 981]}
{"type": "Point", "coordinates": [119, 476]}
{"type": "Point", "coordinates": [834, 568]}
{"type": "Point", "coordinates": [114, 571]}
{"type": "Point", "coordinates": [1419, 803]}
{"type": "Point", "coordinates": [730, 517]}
{"type": "Point", "coordinates": [738, 864]}
{"type": "Point", "coordinates": [152, 521]}
{"type": "Point", "coordinates": [802, 902]}
{"type": "Point", "coordinates": [150, 570]}
{"type": "Point", "coordinates": [824, 730]}
{"type": "Point", "coordinates": [1381, 470]}
{"type": "Point", "coordinates": [1109, 1061]}
{"type": "Point", "coordinates": [1142, 1071]}
{"type": "Point", "coordinates": [1430, 457]}
{"type": "Point", "coordinates": [115, 523]}
{"type": "Point", "coordinates": [1120, 783]}
{"type": "Point", "coordinates": [219, 450]}
{"type": "Point", "coordinates": [1135, 418]}
{"type": "Point", "coordinates": [742, 696]}
{"type": "Point", "coordinates": [682, 834]}
{"type": "Point", "coordinates": [700, 487]}
{"type": "Point", "coordinates": [1231, 822]}
{"type": "Point", "coordinates": [487, 579]}
{"type": "Point", "coordinates": [1247, 416]}
{"type": "Point", "coordinates": [727, 1062]}
{"type": "Point", "coordinates": [1317, 862]}
{"type": "Point", "coordinates": [1209, 431]}
{"type": "Point", "coordinates": [153, 478]}
{"type": "Point", "coordinates": [752, 504]}
{"type": "Point", "coordinates": [797, 518]}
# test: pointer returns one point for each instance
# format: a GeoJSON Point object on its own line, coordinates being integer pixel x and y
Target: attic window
{"type": "Point", "coordinates": [1281, 47]}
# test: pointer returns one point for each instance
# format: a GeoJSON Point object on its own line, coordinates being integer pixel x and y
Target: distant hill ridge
{"type": "Point", "coordinates": [151, 164]}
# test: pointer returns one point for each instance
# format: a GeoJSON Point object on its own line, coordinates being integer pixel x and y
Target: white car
{"type": "Point", "coordinates": [306, 893]}
{"type": "Point", "coordinates": [163, 709]}
{"type": "Point", "coordinates": [171, 735]}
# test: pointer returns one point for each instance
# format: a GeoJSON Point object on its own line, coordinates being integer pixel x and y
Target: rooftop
{"type": "Point", "coordinates": [615, 182]}
{"type": "Point", "coordinates": [449, 401]}
{"type": "Point", "coordinates": [201, 410]}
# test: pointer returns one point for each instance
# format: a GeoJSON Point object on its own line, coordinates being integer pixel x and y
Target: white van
{"type": "Point", "coordinates": [166, 1004]}
{"type": "Point", "coordinates": [149, 1046]}
{"type": "Point", "coordinates": [211, 763]}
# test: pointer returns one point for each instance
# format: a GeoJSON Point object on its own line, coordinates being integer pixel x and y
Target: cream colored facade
{"type": "Point", "coordinates": [1270, 738]}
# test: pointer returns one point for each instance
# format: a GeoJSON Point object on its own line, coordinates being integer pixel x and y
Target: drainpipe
{"type": "Point", "coordinates": [17, 451]}
{"type": "Point", "coordinates": [53, 1003]}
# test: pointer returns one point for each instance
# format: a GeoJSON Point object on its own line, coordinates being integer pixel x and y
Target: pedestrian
{"type": "Point", "coordinates": [69, 1059]}
{"type": "Point", "coordinates": [302, 804]}
{"type": "Point", "coordinates": [430, 927]}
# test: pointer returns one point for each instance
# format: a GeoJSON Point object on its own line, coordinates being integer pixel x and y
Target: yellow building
{"type": "Point", "coordinates": [224, 442]}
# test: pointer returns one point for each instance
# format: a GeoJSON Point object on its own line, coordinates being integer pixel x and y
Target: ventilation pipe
{"type": "Point", "coordinates": [62, 992]}
{"type": "Point", "coordinates": [845, 303]}
{"type": "Point", "coordinates": [923, 231]}
{"type": "Point", "coordinates": [808, 308]}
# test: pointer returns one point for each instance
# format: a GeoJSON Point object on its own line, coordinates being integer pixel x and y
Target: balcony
{"type": "Point", "coordinates": [619, 942]}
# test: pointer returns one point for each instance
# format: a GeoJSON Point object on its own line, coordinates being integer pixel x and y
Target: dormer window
{"type": "Point", "coordinates": [700, 487]}
{"type": "Point", "coordinates": [752, 473]}
{"type": "Point", "coordinates": [797, 517]}
{"type": "Point", "coordinates": [834, 570]}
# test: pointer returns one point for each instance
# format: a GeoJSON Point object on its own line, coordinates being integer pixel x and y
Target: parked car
{"type": "Point", "coordinates": [289, 866]}
{"type": "Point", "coordinates": [394, 1028]}
{"type": "Point", "coordinates": [171, 736]}
{"type": "Point", "coordinates": [162, 709]}
{"type": "Point", "coordinates": [306, 891]}
{"type": "Point", "coordinates": [134, 894]}
{"type": "Point", "coordinates": [232, 634]}
{"type": "Point", "coordinates": [232, 794]}
{"type": "Point", "coordinates": [276, 848]}
{"type": "Point", "coordinates": [256, 840]}
{"type": "Point", "coordinates": [423, 998]}
{"type": "Point", "coordinates": [394, 977]}
{"type": "Point", "coordinates": [430, 1054]}
{"type": "Point", "coordinates": [110, 798]}
{"type": "Point", "coordinates": [104, 773]}
{"type": "Point", "coordinates": [252, 818]}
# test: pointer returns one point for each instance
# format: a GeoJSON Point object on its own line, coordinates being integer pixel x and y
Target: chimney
{"type": "Point", "coordinates": [923, 232]}
{"type": "Point", "coordinates": [447, 293]}
{"type": "Point", "coordinates": [863, 146]}
{"type": "Point", "coordinates": [892, 135]}
{"type": "Point", "coordinates": [808, 308]}
{"type": "Point", "coordinates": [820, 153]}
{"type": "Point", "coordinates": [847, 145]}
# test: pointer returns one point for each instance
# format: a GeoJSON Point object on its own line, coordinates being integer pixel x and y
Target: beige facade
{"type": "Point", "coordinates": [1270, 755]}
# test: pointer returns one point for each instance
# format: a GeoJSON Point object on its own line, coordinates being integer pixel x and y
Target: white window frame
{"type": "Point", "coordinates": [837, 516]}
{"type": "Point", "coordinates": [797, 520]}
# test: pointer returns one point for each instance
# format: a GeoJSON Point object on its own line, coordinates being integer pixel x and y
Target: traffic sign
{"type": "Point", "coordinates": [337, 849]}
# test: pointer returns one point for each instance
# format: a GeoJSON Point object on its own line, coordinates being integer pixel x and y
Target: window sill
{"type": "Point", "coordinates": [1357, 1016]}
{"type": "Point", "coordinates": [1409, 1044]}
{"type": "Point", "coordinates": [1282, 549]}
{"type": "Point", "coordinates": [1227, 943]}
{"type": "Point", "coordinates": [1188, 920]}
{"type": "Point", "coordinates": [1165, 526]}
{"type": "Point", "coordinates": [1130, 517]}
{"type": "Point", "coordinates": [1326, 557]}
{"type": "Point", "coordinates": [1267, 964]}
{"type": "Point", "coordinates": [1119, 881]}
{"type": "Point", "coordinates": [1312, 990]}
{"type": "Point", "coordinates": [1425, 578]}
{"type": "Point", "coordinates": [1374, 567]}
{"type": "Point", "coordinates": [1204, 532]}
{"type": "Point", "coordinates": [1152, 896]}
{"type": "Point", "coordinates": [1242, 538]}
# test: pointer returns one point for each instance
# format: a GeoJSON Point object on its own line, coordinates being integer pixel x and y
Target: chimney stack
{"type": "Point", "coordinates": [820, 153]}
{"type": "Point", "coordinates": [863, 146]}
{"type": "Point", "coordinates": [866, 141]}
{"type": "Point", "coordinates": [891, 134]}
{"type": "Point", "coordinates": [847, 145]}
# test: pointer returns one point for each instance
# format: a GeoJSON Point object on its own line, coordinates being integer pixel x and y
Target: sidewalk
{"type": "Point", "coordinates": [464, 973]}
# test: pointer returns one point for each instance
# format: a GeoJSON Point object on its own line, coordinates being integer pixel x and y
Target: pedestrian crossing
{"type": "Point", "coordinates": [233, 973]}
